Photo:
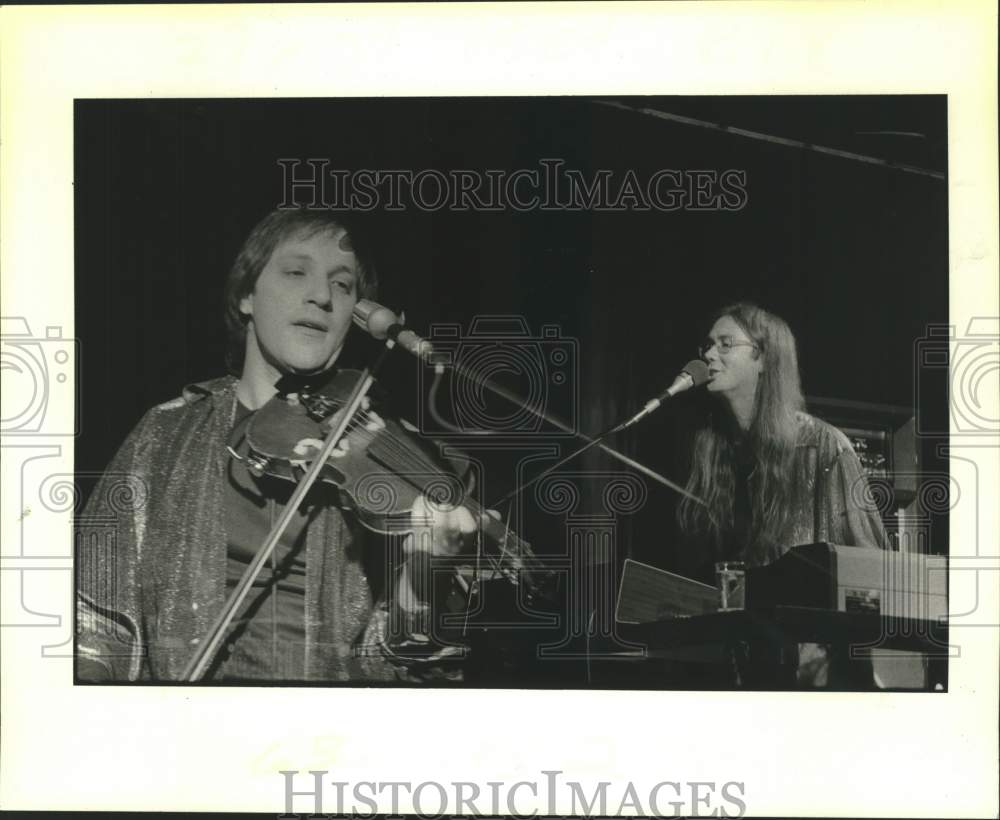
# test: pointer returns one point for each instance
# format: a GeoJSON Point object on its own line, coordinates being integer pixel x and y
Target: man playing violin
{"type": "Point", "coordinates": [155, 569]}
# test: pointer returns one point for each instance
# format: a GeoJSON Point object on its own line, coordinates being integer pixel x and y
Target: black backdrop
{"type": "Point", "coordinates": [853, 254]}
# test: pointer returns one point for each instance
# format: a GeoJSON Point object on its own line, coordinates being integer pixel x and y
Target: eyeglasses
{"type": "Point", "coordinates": [724, 345]}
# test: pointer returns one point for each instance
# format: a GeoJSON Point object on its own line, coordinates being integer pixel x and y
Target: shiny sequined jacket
{"type": "Point", "coordinates": [832, 502]}
{"type": "Point", "coordinates": [838, 507]}
{"type": "Point", "coordinates": [151, 556]}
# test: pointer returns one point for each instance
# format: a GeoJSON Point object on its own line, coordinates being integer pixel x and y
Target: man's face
{"type": "Point", "coordinates": [737, 370]}
{"type": "Point", "coordinates": [300, 309]}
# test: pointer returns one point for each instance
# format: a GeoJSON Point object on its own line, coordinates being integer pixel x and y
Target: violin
{"type": "Point", "coordinates": [379, 465]}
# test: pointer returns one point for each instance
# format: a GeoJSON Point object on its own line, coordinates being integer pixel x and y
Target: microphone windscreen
{"type": "Point", "coordinates": [362, 310]}
{"type": "Point", "coordinates": [374, 318]}
{"type": "Point", "coordinates": [697, 370]}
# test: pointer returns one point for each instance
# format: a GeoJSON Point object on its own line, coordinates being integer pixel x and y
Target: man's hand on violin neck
{"type": "Point", "coordinates": [438, 529]}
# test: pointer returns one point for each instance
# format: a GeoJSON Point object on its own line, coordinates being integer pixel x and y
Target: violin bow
{"type": "Point", "coordinates": [202, 658]}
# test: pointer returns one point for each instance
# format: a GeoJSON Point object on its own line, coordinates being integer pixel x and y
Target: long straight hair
{"type": "Point", "coordinates": [774, 488]}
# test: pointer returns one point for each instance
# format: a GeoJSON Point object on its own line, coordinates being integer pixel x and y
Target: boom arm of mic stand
{"type": "Point", "coordinates": [555, 422]}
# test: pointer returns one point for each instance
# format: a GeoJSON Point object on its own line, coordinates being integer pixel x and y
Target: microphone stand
{"type": "Point", "coordinates": [382, 323]}
{"type": "Point", "coordinates": [558, 423]}
{"type": "Point", "coordinates": [592, 442]}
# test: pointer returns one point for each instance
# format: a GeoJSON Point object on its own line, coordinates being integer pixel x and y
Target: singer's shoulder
{"type": "Point", "coordinates": [159, 426]}
{"type": "Point", "coordinates": [200, 393]}
{"type": "Point", "coordinates": [827, 439]}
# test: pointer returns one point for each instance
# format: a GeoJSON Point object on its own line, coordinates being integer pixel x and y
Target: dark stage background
{"type": "Point", "coordinates": [852, 254]}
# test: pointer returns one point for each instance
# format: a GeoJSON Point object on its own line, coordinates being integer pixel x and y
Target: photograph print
{"type": "Point", "coordinates": [530, 392]}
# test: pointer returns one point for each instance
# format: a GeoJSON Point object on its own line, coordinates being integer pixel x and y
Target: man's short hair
{"type": "Point", "coordinates": [271, 231]}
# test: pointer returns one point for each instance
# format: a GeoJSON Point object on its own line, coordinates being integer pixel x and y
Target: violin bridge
{"type": "Point", "coordinates": [318, 408]}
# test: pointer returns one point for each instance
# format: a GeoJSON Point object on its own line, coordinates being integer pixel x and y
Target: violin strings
{"type": "Point", "coordinates": [391, 445]}
{"type": "Point", "coordinates": [400, 455]}
{"type": "Point", "coordinates": [395, 447]}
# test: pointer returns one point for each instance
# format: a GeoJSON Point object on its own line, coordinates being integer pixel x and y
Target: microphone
{"type": "Point", "coordinates": [382, 323]}
{"type": "Point", "coordinates": [694, 374]}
